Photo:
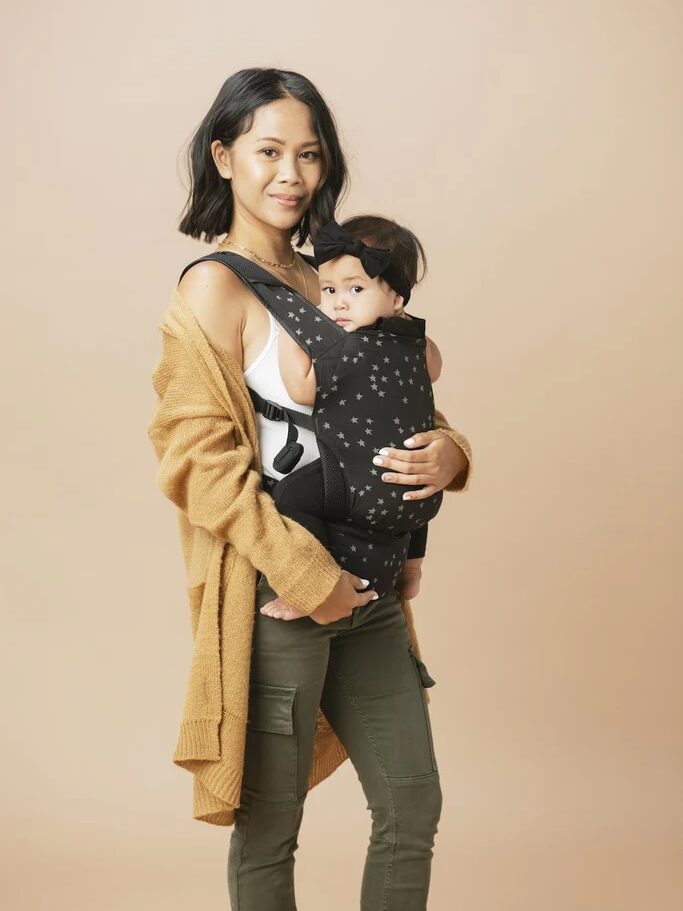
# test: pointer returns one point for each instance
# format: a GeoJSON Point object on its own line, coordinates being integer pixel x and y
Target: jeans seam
{"type": "Point", "coordinates": [394, 841]}
{"type": "Point", "coordinates": [244, 845]}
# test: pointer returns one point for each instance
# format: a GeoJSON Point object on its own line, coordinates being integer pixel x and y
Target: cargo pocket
{"type": "Point", "coordinates": [270, 756]}
{"type": "Point", "coordinates": [426, 680]}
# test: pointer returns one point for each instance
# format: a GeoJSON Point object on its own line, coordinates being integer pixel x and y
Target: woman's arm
{"type": "Point", "coordinates": [454, 462]}
{"type": "Point", "coordinates": [208, 471]}
{"type": "Point", "coordinates": [463, 458]}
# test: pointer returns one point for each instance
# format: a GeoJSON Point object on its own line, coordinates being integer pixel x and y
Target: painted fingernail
{"type": "Point", "coordinates": [374, 597]}
{"type": "Point", "coordinates": [384, 451]}
{"type": "Point", "coordinates": [365, 581]}
{"type": "Point", "coordinates": [409, 442]}
{"type": "Point", "coordinates": [378, 461]}
{"type": "Point", "coordinates": [407, 496]}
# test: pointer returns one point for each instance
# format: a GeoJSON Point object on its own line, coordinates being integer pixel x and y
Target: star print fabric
{"type": "Point", "coordinates": [373, 390]}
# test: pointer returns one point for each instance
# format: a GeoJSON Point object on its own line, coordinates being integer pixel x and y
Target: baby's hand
{"type": "Point", "coordinates": [409, 582]}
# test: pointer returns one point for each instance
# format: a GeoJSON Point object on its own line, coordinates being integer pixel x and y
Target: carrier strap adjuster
{"type": "Point", "coordinates": [275, 412]}
{"type": "Point", "coordinates": [272, 411]}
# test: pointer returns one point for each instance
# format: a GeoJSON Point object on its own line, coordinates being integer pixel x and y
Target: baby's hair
{"type": "Point", "coordinates": [407, 253]}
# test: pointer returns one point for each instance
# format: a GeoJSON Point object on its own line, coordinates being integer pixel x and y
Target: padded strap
{"type": "Point", "coordinates": [310, 328]}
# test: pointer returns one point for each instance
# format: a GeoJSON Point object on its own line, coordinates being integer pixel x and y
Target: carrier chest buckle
{"type": "Point", "coordinates": [272, 411]}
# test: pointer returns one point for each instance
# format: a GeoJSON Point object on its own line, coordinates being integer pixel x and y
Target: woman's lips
{"type": "Point", "coordinates": [289, 202]}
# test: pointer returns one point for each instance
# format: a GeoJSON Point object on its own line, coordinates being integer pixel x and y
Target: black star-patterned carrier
{"type": "Point", "coordinates": [373, 390]}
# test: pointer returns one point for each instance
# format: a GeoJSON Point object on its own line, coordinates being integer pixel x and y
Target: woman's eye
{"type": "Point", "coordinates": [313, 155]}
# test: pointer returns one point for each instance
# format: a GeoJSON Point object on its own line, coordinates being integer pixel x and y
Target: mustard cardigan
{"type": "Point", "coordinates": [204, 433]}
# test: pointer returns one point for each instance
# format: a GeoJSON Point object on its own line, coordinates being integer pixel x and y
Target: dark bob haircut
{"type": "Point", "coordinates": [209, 207]}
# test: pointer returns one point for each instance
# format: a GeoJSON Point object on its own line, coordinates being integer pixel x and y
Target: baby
{"type": "Point", "coordinates": [354, 300]}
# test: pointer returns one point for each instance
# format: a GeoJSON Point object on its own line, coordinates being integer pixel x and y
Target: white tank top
{"type": "Point", "coordinates": [263, 376]}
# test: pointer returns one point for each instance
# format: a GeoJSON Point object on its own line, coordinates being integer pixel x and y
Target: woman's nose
{"type": "Point", "coordinates": [289, 169]}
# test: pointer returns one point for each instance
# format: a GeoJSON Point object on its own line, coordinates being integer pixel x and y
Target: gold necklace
{"type": "Point", "coordinates": [302, 274]}
{"type": "Point", "coordinates": [266, 262]}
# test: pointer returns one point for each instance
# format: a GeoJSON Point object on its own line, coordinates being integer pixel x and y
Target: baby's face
{"type": "Point", "coordinates": [351, 298]}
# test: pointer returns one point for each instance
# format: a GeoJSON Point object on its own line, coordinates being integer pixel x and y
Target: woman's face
{"type": "Point", "coordinates": [275, 167]}
{"type": "Point", "coordinates": [351, 298]}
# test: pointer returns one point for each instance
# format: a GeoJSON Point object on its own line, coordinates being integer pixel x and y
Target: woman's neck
{"type": "Point", "coordinates": [268, 243]}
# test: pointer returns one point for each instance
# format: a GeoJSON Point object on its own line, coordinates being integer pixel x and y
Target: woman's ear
{"type": "Point", "coordinates": [221, 157]}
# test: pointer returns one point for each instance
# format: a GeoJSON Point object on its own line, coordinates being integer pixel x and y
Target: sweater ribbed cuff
{"type": "Point", "coordinates": [462, 480]}
{"type": "Point", "coordinates": [198, 739]}
{"type": "Point", "coordinates": [308, 590]}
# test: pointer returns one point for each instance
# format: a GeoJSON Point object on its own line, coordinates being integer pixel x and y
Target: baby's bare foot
{"type": "Point", "coordinates": [281, 611]}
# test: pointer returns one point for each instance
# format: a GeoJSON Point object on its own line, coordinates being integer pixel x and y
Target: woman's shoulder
{"type": "Point", "coordinates": [209, 279]}
{"type": "Point", "coordinates": [218, 298]}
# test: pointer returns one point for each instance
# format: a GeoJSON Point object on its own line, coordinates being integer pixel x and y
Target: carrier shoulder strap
{"type": "Point", "coordinates": [311, 329]}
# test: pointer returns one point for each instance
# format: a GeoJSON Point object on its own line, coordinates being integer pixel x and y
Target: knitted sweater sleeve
{"type": "Point", "coordinates": [462, 480]}
{"type": "Point", "coordinates": [207, 470]}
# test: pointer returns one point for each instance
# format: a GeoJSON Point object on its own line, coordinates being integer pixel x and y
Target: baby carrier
{"type": "Point", "coordinates": [373, 390]}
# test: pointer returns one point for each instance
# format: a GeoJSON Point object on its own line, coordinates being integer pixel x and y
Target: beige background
{"type": "Point", "coordinates": [536, 150]}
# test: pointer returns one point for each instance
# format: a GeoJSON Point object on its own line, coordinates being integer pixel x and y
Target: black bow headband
{"type": "Point", "coordinates": [333, 241]}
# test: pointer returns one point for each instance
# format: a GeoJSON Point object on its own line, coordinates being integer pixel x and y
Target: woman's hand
{"type": "Point", "coordinates": [341, 602]}
{"type": "Point", "coordinates": [435, 463]}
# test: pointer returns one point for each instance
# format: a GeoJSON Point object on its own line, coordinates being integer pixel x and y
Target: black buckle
{"type": "Point", "coordinates": [272, 411]}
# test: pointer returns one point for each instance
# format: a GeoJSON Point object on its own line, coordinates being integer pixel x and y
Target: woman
{"type": "Point", "coordinates": [273, 707]}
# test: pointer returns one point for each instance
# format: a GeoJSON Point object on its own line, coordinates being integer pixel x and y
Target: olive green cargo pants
{"type": "Point", "coordinates": [363, 672]}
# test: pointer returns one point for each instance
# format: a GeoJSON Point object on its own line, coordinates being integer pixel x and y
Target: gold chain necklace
{"type": "Point", "coordinates": [266, 262]}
